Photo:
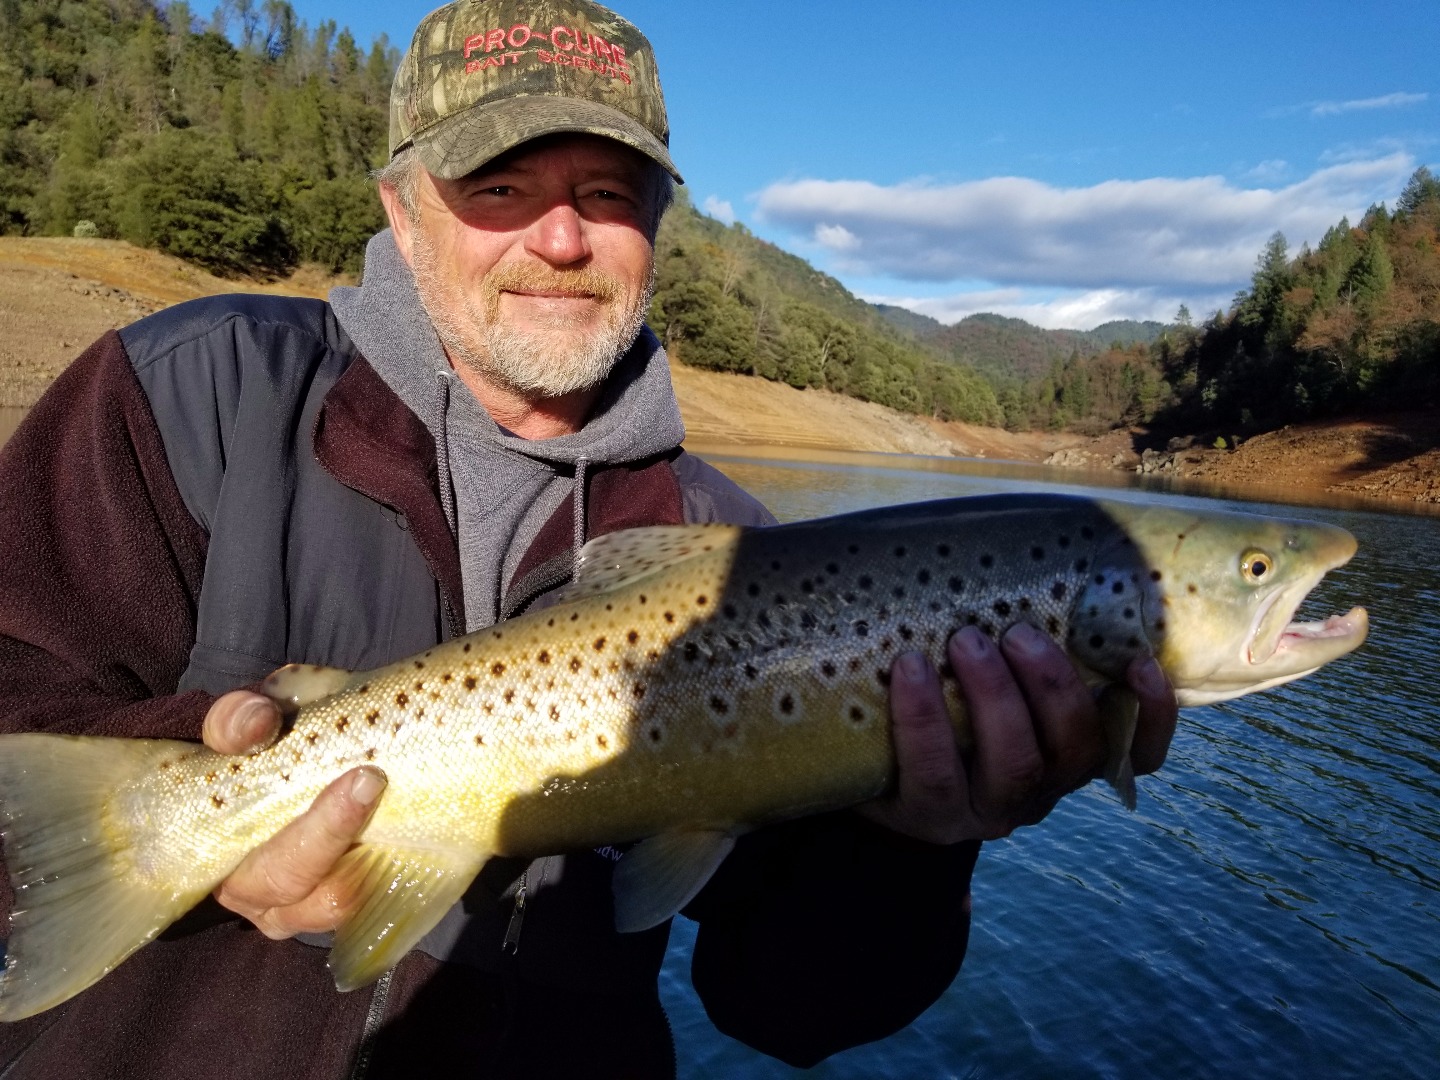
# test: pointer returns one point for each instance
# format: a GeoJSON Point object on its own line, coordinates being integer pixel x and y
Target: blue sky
{"type": "Point", "coordinates": [1065, 163]}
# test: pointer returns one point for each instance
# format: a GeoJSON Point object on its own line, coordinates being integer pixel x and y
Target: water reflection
{"type": "Point", "coordinates": [1272, 908]}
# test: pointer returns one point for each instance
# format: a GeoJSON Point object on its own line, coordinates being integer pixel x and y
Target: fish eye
{"type": "Point", "coordinates": [1255, 566]}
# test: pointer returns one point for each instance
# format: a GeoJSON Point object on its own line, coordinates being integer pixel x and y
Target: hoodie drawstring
{"type": "Point", "coordinates": [581, 464]}
{"type": "Point", "coordinates": [442, 451]}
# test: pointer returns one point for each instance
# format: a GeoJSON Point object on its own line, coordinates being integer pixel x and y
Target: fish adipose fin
{"type": "Point", "coordinates": [406, 892]}
{"type": "Point", "coordinates": [84, 897]}
{"type": "Point", "coordinates": [659, 876]}
{"type": "Point", "coordinates": [1119, 713]}
{"type": "Point", "coordinates": [618, 559]}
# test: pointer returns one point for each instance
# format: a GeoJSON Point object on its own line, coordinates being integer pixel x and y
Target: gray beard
{"type": "Point", "coordinates": [535, 364]}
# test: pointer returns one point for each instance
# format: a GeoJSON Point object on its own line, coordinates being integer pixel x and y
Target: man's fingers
{"type": "Point", "coordinates": [1066, 721]}
{"type": "Point", "coordinates": [1158, 715]}
{"type": "Point", "coordinates": [241, 722]}
{"type": "Point", "coordinates": [1007, 763]}
{"type": "Point", "coordinates": [925, 753]}
{"type": "Point", "coordinates": [286, 871]}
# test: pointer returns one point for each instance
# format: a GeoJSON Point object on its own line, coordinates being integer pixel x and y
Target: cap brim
{"type": "Point", "coordinates": [460, 144]}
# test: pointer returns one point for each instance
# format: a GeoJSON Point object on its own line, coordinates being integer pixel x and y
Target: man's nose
{"type": "Point", "coordinates": [558, 236]}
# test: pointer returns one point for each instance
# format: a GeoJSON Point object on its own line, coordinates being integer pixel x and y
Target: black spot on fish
{"type": "Point", "coordinates": [827, 669]}
{"type": "Point", "coordinates": [312, 738]}
{"type": "Point", "coordinates": [719, 704]}
{"type": "Point", "coordinates": [599, 644]}
{"type": "Point", "coordinates": [633, 636]}
{"type": "Point", "coordinates": [1001, 608]}
{"type": "Point", "coordinates": [1159, 624]}
{"type": "Point", "coordinates": [479, 740]}
{"type": "Point", "coordinates": [730, 611]}
{"type": "Point", "coordinates": [753, 589]}
{"type": "Point", "coordinates": [419, 665]}
{"type": "Point", "coordinates": [601, 741]}
{"type": "Point", "coordinates": [882, 676]}
{"type": "Point", "coordinates": [340, 725]}
{"type": "Point", "coordinates": [957, 585]}
{"type": "Point", "coordinates": [1058, 590]}
{"type": "Point", "coordinates": [1118, 588]}
{"type": "Point", "coordinates": [853, 549]}
{"type": "Point", "coordinates": [898, 592]}
{"type": "Point", "coordinates": [862, 628]}
{"type": "Point", "coordinates": [865, 581]}
{"type": "Point", "coordinates": [1156, 575]}
{"type": "Point", "coordinates": [971, 618]}
{"type": "Point", "coordinates": [923, 577]}
{"type": "Point", "coordinates": [655, 734]}
{"type": "Point", "coordinates": [943, 550]}
{"type": "Point", "coordinates": [576, 663]}
{"type": "Point", "coordinates": [787, 704]}
{"type": "Point", "coordinates": [1129, 613]}
{"type": "Point", "coordinates": [543, 656]}
{"type": "Point", "coordinates": [1024, 603]}
{"type": "Point", "coordinates": [935, 605]}
{"type": "Point", "coordinates": [1081, 565]}
{"type": "Point", "coordinates": [751, 671]}
{"type": "Point", "coordinates": [807, 586]}
{"type": "Point", "coordinates": [370, 754]}
{"type": "Point", "coordinates": [900, 552]}
{"type": "Point", "coordinates": [1134, 643]}
{"type": "Point", "coordinates": [1192, 588]}
{"type": "Point", "coordinates": [1087, 533]}
{"type": "Point", "coordinates": [1096, 641]}
{"type": "Point", "coordinates": [235, 766]}
{"type": "Point", "coordinates": [906, 633]}
{"type": "Point", "coordinates": [466, 648]}
{"type": "Point", "coordinates": [946, 670]}
{"type": "Point", "coordinates": [509, 696]}
{"type": "Point", "coordinates": [372, 716]}
{"type": "Point", "coordinates": [987, 561]}
{"type": "Point", "coordinates": [1037, 553]}
{"type": "Point", "coordinates": [832, 568]}
{"type": "Point", "coordinates": [497, 668]}
{"type": "Point", "coordinates": [554, 712]}
{"type": "Point", "coordinates": [645, 600]}
{"type": "Point", "coordinates": [692, 652]}
{"type": "Point", "coordinates": [218, 801]}
{"type": "Point", "coordinates": [857, 714]}
{"type": "Point", "coordinates": [1063, 541]}
{"type": "Point", "coordinates": [775, 565]}
{"type": "Point", "coordinates": [1053, 625]}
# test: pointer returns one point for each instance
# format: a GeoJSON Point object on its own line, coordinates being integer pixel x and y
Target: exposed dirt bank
{"type": "Point", "coordinates": [57, 295]}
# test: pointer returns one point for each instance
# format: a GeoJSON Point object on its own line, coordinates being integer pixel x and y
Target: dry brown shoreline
{"type": "Point", "coordinates": [59, 294]}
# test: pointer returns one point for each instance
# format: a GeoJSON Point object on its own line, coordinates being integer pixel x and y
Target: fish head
{"type": "Point", "coordinates": [1221, 592]}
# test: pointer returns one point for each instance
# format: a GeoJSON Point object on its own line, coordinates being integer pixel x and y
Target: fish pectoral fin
{"type": "Point", "coordinates": [618, 559]}
{"type": "Point", "coordinates": [659, 876]}
{"type": "Point", "coordinates": [297, 685]}
{"type": "Point", "coordinates": [1119, 713]}
{"type": "Point", "coordinates": [406, 892]}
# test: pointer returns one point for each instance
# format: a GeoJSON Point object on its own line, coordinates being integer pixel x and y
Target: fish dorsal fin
{"type": "Point", "coordinates": [406, 892]}
{"type": "Point", "coordinates": [296, 685]}
{"type": "Point", "coordinates": [618, 559]}
{"type": "Point", "coordinates": [659, 876]}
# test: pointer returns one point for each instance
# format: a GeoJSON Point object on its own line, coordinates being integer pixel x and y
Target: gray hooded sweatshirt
{"type": "Point", "coordinates": [501, 488]}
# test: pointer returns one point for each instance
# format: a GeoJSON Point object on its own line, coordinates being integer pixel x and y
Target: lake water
{"type": "Point", "coordinates": [1272, 909]}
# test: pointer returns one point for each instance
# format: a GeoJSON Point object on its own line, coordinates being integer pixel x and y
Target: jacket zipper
{"type": "Point", "coordinates": [374, 1017]}
{"type": "Point", "coordinates": [511, 945]}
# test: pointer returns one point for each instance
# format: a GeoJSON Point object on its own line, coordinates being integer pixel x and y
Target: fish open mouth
{"type": "Point", "coordinates": [1288, 648]}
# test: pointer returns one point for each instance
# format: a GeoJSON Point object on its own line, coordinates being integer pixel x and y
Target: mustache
{"type": "Point", "coordinates": [525, 277]}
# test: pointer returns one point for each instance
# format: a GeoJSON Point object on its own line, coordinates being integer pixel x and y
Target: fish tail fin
{"type": "Point", "coordinates": [82, 902]}
{"type": "Point", "coordinates": [1119, 713]}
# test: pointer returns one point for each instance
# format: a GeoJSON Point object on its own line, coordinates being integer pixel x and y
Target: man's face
{"type": "Point", "coordinates": [537, 269]}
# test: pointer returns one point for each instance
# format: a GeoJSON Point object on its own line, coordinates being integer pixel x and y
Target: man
{"type": "Point", "coordinates": [241, 482]}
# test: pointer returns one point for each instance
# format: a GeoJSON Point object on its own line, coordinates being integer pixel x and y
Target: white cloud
{"type": "Point", "coordinates": [720, 209]}
{"type": "Point", "coordinates": [1385, 101]}
{"type": "Point", "coordinates": [1070, 310]}
{"type": "Point", "coordinates": [1173, 235]}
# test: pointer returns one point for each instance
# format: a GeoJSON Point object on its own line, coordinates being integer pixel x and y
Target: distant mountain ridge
{"type": "Point", "coordinates": [1005, 347]}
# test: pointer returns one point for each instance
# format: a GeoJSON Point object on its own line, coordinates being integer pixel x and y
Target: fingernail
{"type": "Point", "coordinates": [972, 641]}
{"type": "Point", "coordinates": [1150, 677]}
{"type": "Point", "coordinates": [1025, 640]}
{"type": "Point", "coordinates": [367, 786]}
{"type": "Point", "coordinates": [910, 667]}
{"type": "Point", "coordinates": [253, 721]}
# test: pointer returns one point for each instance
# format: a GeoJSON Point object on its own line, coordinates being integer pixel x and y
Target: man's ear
{"type": "Point", "coordinates": [400, 223]}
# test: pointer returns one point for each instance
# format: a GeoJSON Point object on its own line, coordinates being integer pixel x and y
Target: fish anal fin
{"type": "Point", "coordinates": [659, 876]}
{"type": "Point", "coordinates": [296, 685]}
{"type": "Point", "coordinates": [1119, 713]}
{"type": "Point", "coordinates": [618, 559]}
{"type": "Point", "coordinates": [404, 894]}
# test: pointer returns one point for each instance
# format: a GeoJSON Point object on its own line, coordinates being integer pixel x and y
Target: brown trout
{"type": "Point", "coordinates": [694, 682]}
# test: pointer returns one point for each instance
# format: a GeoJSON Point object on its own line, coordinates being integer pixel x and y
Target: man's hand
{"type": "Point", "coordinates": [288, 885]}
{"type": "Point", "coordinates": [1036, 736]}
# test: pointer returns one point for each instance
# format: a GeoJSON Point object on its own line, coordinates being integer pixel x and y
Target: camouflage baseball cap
{"type": "Point", "coordinates": [484, 76]}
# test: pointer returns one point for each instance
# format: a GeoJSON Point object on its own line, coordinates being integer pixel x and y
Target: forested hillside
{"type": "Point", "coordinates": [119, 118]}
{"type": "Point", "coordinates": [1353, 324]}
{"type": "Point", "coordinates": [241, 140]}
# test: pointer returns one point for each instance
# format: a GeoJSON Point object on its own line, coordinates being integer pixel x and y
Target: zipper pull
{"type": "Point", "coordinates": [511, 945]}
